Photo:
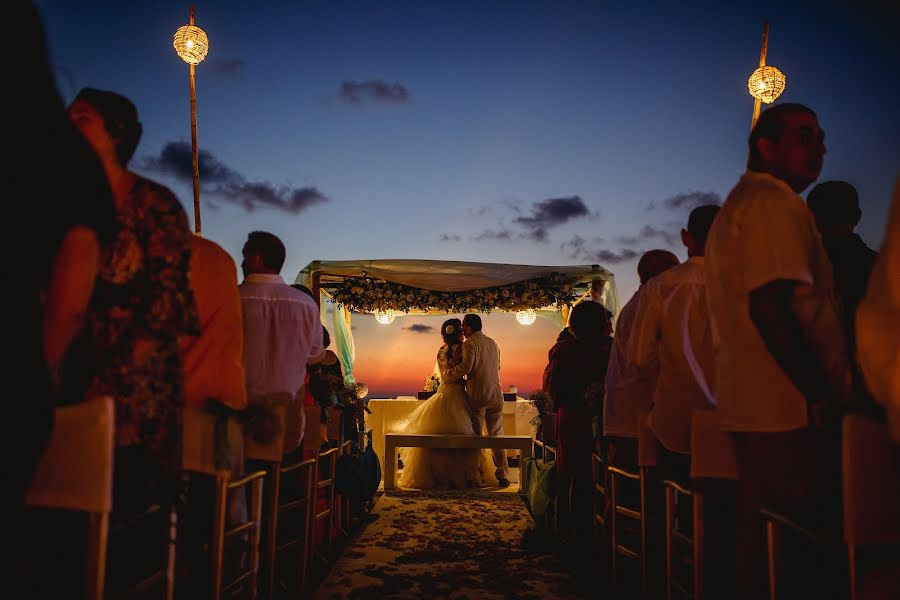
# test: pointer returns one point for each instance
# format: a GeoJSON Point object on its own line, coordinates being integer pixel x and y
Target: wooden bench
{"type": "Point", "coordinates": [392, 441]}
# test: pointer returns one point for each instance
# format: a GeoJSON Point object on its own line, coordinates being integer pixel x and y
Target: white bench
{"type": "Point", "coordinates": [392, 441]}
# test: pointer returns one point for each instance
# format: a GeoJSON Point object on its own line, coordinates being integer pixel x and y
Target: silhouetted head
{"type": "Point", "coordinates": [654, 262]}
{"type": "Point", "coordinates": [451, 331]}
{"type": "Point", "coordinates": [263, 253]}
{"type": "Point", "coordinates": [471, 323]}
{"type": "Point", "coordinates": [698, 225]}
{"type": "Point", "coordinates": [590, 320]}
{"type": "Point", "coordinates": [305, 290]}
{"type": "Point", "coordinates": [788, 143]}
{"type": "Point", "coordinates": [109, 122]}
{"type": "Point", "coordinates": [835, 204]}
{"type": "Point", "coordinates": [326, 338]}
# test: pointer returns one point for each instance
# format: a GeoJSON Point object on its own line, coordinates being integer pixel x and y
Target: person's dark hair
{"type": "Point", "coordinates": [834, 203]}
{"type": "Point", "coordinates": [473, 321]}
{"type": "Point", "coordinates": [699, 222]}
{"type": "Point", "coordinates": [654, 262]}
{"type": "Point", "coordinates": [770, 126]}
{"type": "Point", "coordinates": [565, 334]}
{"type": "Point", "coordinates": [269, 247]}
{"type": "Point", "coordinates": [588, 320]}
{"type": "Point", "coordinates": [305, 290]}
{"type": "Point", "coordinates": [451, 331]}
{"type": "Point", "coordinates": [326, 338]}
{"type": "Point", "coordinates": [119, 118]}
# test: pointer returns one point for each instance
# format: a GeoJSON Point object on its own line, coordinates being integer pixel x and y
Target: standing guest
{"type": "Point", "coordinates": [629, 389]}
{"type": "Point", "coordinates": [141, 305]}
{"type": "Point", "coordinates": [878, 325]}
{"type": "Point", "coordinates": [576, 365]}
{"type": "Point", "coordinates": [282, 329]}
{"type": "Point", "coordinates": [671, 329]}
{"type": "Point", "coordinates": [57, 190]}
{"type": "Point", "coordinates": [835, 205]}
{"type": "Point", "coordinates": [781, 360]}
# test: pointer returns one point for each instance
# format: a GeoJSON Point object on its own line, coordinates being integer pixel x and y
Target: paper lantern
{"type": "Point", "coordinates": [766, 84]}
{"type": "Point", "coordinates": [526, 317]}
{"type": "Point", "coordinates": [191, 44]}
{"type": "Point", "coordinates": [385, 317]}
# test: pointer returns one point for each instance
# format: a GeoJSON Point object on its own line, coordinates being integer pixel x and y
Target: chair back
{"type": "Point", "coordinates": [272, 450]}
{"type": "Point", "coordinates": [712, 450]}
{"type": "Point", "coordinates": [198, 443]}
{"type": "Point", "coordinates": [312, 434]}
{"type": "Point", "coordinates": [648, 445]}
{"type": "Point", "coordinates": [871, 483]}
{"type": "Point", "coordinates": [75, 472]}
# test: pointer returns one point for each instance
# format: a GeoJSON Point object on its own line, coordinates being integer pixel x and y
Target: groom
{"type": "Point", "coordinates": [481, 365]}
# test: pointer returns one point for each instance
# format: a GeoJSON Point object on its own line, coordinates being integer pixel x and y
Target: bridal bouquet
{"type": "Point", "coordinates": [432, 383]}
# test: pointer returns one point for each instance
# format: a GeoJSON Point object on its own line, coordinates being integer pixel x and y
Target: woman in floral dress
{"type": "Point", "coordinates": [141, 304]}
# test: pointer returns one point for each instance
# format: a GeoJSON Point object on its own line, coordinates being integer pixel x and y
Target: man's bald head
{"type": "Point", "coordinates": [654, 262]}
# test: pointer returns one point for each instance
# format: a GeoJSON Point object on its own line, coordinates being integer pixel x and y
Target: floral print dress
{"type": "Point", "coordinates": [142, 302]}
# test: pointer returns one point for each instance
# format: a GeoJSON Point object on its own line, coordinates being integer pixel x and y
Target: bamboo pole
{"type": "Point", "coordinates": [194, 160]}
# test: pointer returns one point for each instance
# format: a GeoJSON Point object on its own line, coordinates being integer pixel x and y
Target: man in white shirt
{"type": "Point", "coordinates": [671, 329]}
{"type": "Point", "coordinates": [282, 329]}
{"type": "Point", "coordinates": [629, 389]}
{"type": "Point", "coordinates": [781, 362]}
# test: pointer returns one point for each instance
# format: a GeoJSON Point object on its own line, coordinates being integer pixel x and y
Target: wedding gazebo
{"type": "Point", "coordinates": [396, 287]}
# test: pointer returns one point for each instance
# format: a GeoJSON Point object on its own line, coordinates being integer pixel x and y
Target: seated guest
{"type": "Point", "coordinates": [878, 325]}
{"type": "Point", "coordinates": [629, 389]}
{"type": "Point", "coordinates": [141, 305]}
{"type": "Point", "coordinates": [782, 369]}
{"type": "Point", "coordinates": [671, 329]}
{"type": "Point", "coordinates": [282, 330]}
{"type": "Point", "coordinates": [575, 366]}
{"type": "Point", "coordinates": [323, 375]}
{"type": "Point", "coordinates": [835, 205]}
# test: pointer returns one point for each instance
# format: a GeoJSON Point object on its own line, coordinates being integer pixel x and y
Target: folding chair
{"type": "Point", "coordinates": [325, 469]}
{"type": "Point", "coordinates": [871, 494]}
{"type": "Point", "coordinates": [75, 474]}
{"type": "Point", "coordinates": [198, 456]}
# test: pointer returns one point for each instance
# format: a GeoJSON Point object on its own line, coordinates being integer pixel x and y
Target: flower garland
{"type": "Point", "coordinates": [364, 294]}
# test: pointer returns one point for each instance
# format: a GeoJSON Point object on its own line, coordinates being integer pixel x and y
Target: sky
{"type": "Point", "coordinates": [548, 133]}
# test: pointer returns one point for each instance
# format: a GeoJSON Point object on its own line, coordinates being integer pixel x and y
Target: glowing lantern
{"type": "Point", "coordinates": [766, 84]}
{"type": "Point", "coordinates": [191, 44]}
{"type": "Point", "coordinates": [385, 317]}
{"type": "Point", "coordinates": [526, 317]}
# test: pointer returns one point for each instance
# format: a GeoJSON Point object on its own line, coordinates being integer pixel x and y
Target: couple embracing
{"type": "Point", "coordinates": [459, 406]}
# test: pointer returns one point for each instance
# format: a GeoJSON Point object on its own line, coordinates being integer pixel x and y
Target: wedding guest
{"type": "Point", "coordinates": [282, 329]}
{"type": "Point", "coordinates": [57, 190]}
{"type": "Point", "coordinates": [629, 390]}
{"type": "Point", "coordinates": [878, 324]}
{"type": "Point", "coordinates": [781, 361]}
{"type": "Point", "coordinates": [575, 376]}
{"type": "Point", "coordinates": [142, 304]}
{"type": "Point", "coordinates": [671, 333]}
{"type": "Point", "coordinates": [835, 205]}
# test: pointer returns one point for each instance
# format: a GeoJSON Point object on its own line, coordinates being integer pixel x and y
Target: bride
{"type": "Point", "coordinates": [445, 412]}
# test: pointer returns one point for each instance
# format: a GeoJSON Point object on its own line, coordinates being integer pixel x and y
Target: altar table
{"type": "Point", "coordinates": [389, 416]}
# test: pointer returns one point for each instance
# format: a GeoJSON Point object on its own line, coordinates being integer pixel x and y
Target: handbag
{"type": "Point", "coordinates": [540, 486]}
{"type": "Point", "coordinates": [358, 475]}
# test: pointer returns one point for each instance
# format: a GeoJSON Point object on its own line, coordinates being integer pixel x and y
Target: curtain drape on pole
{"type": "Point", "coordinates": [345, 349]}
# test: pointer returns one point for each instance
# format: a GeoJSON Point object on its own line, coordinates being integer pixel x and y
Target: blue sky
{"type": "Point", "coordinates": [496, 131]}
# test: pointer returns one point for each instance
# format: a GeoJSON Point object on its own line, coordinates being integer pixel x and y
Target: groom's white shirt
{"type": "Point", "coordinates": [481, 363]}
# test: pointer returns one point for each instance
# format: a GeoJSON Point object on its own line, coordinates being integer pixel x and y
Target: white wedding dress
{"type": "Point", "coordinates": [444, 412]}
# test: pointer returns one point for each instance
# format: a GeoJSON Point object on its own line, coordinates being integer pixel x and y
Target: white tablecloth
{"type": "Point", "coordinates": [389, 416]}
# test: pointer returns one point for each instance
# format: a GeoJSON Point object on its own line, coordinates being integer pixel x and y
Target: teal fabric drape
{"type": "Point", "coordinates": [344, 347]}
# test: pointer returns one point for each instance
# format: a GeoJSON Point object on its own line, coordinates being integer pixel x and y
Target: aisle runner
{"type": "Point", "coordinates": [447, 545]}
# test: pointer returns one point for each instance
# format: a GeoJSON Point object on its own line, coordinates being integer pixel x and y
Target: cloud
{"type": "Point", "coordinates": [580, 249]}
{"type": "Point", "coordinates": [419, 328]}
{"type": "Point", "coordinates": [227, 66]}
{"type": "Point", "coordinates": [551, 213]}
{"type": "Point", "coordinates": [490, 234]}
{"type": "Point", "coordinates": [687, 201]}
{"type": "Point", "coordinates": [227, 184]}
{"type": "Point", "coordinates": [651, 232]}
{"type": "Point", "coordinates": [376, 90]}
{"type": "Point", "coordinates": [450, 238]}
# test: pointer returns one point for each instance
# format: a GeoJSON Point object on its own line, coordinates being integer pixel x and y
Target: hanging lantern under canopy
{"type": "Point", "coordinates": [385, 317]}
{"type": "Point", "coordinates": [191, 44]}
{"type": "Point", "coordinates": [526, 317]}
{"type": "Point", "coordinates": [766, 84]}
